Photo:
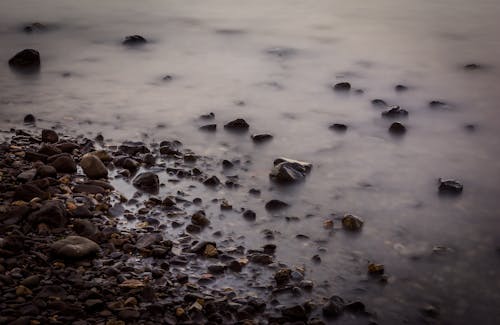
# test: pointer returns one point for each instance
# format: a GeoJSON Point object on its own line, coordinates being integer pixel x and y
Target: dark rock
{"type": "Point", "coordinates": [237, 125]}
{"type": "Point", "coordinates": [49, 150]}
{"type": "Point", "coordinates": [254, 191]}
{"type": "Point", "coordinates": [260, 258]}
{"type": "Point", "coordinates": [34, 156]}
{"type": "Point", "coordinates": [439, 105]}
{"type": "Point", "coordinates": [64, 164]}
{"type": "Point", "coordinates": [134, 40]}
{"type": "Point", "coordinates": [84, 228]}
{"type": "Point", "coordinates": [147, 182]}
{"type": "Point", "coordinates": [199, 219]}
{"type": "Point", "coordinates": [29, 119]}
{"type": "Point", "coordinates": [227, 164]}
{"type": "Point", "coordinates": [472, 66]}
{"type": "Point", "coordinates": [212, 181]}
{"type": "Point", "coordinates": [93, 167]}
{"type": "Point", "coordinates": [400, 88]}
{"type": "Point", "coordinates": [209, 116]}
{"type": "Point", "coordinates": [32, 281]}
{"type": "Point", "coordinates": [132, 148]}
{"type": "Point", "coordinates": [27, 175]}
{"type": "Point", "coordinates": [296, 312]}
{"type": "Point", "coordinates": [74, 247]}
{"type": "Point", "coordinates": [273, 205]}
{"type": "Point", "coordinates": [260, 138]}
{"type": "Point", "coordinates": [334, 307]}
{"type": "Point", "coordinates": [352, 222]}
{"type": "Point", "coordinates": [52, 213]}
{"type": "Point", "coordinates": [379, 103]}
{"type": "Point", "coordinates": [89, 188]}
{"type": "Point", "coordinates": [288, 170]}
{"type": "Point", "coordinates": [209, 127]}
{"type": "Point", "coordinates": [27, 192]}
{"type": "Point", "coordinates": [282, 276]}
{"type": "Point", "coordinates": [342, 86]}
{"type": "Point", "coordinates": [35, 27]}
{"type": "Point", "coordinates": [130, 164]}
{"type": "Point", "coordinates": [249, 215]}
{"type": "Point", "coordinates": [338, 127]}
{"type": "Point", "coordinates": [67, 147]}
{"type": "Point", "coordinates": [397, 128]}
{"type": "Point", "coordinates": [49, 136]}
{"type": "Point", "coordinates": [395, 111]}
{"type": "Point", "coordinates": [450, 186]}
{"type": "Point", "coordinates": [148, 240]}
{"type": "Point", "coordinates": [27, 60]}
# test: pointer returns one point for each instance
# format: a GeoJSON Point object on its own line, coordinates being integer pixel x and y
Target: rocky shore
{"type": "Point", "coordinates": [74, 250]}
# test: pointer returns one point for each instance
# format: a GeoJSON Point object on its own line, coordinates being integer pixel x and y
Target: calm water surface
{"type": "Point", "coordinates": [271, 62]}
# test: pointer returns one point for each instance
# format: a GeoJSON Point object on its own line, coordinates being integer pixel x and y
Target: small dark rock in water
{"type": "Point", "coordinates": [209, 127]}
{"type": "Point", "coordinates": [342, 86]}
{"type": "Point", "coordinates": [276, 205]}
{"type": "Point", "coordinates": [401, 88]}
{"type": "Point", "coordinates": [29, 119]}
{"type": "Point", "coordinates": [167, 78]}
{"type": "Point", "coordinates": [237, 125]}
{"type": "Point", "coordinates": [34, 27]}
{"type": "Point", "coordinates": [227, 164]}
{"type": "Point", "coordinates": [316, 259]}
{"type": "Point", "coordinates": [134, 40]}
{"type": "Point", "coordinates": [395, 111]}
{"type": "Point", "coordinates": [288, 170]}
{"type": "Point", "coordinates": [212, 181]}
{"type": "Point", "coordinates": [199, 219]}
{"type": "Point", "coordinates": [254, 191]}
{"type": "Point", "coordinates": [338, 127]}
{"type": "Point", "coordinates": [470, 127]}
{"type": "Point", "coordinates": [295, 313]}
{"type": "Point", "coordinates": [334, 307]}
{"type": "Point", "coordinates": [209, 116]}
{"type": "Point", "coordinates": [281, 52]}
{"type": "Point", "coordinates": [249, 215]}
{"type": "Point", "coordinates": [282, 276]}
{"type": "Point", "coordinates": [472, 66]}
{"type": "Point", "coordinates": [64, 164]}
{"type": "Point", "coordinates": [352, 222]}
{"type": "Point", "coordinates": [260, 138]}
{"type": "Point", "coordinates": [74, 247]}
{"type": "Point", "coordinates": [379, 103]}
{"type": "Point", "coordinates": [49, 136]}
{"type": "Point", "coordinates": [450, 187]}
{"type": "Point", "coordinates": [437, 104]}
{"type": "Point", "coordinates": [148, 182]}
{"type": "Point", "coordinates": [376, 269]}
{"type": "Point", "coordinates": [26, 61]}
{"type": "Point", "coordinates": [397, 128]}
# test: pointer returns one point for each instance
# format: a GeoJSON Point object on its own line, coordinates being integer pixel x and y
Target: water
{"type": "Point", "coordinates": [272, 63]}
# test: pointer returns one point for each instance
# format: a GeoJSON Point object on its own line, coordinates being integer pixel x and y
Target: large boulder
{"type": "Point", "coordinates": [147, 182]}
{"type": "Point", "coordinates": [74, 247]}
{"type": "Point", "coordinates": [27, 60]}
{"type": "Point", "coordinates": [93, 167]}
{"type": "Point", "coordinates": [288, 170]}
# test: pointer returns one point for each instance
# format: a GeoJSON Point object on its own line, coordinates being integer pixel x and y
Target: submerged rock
{"type": "Point", "coordinates": [74, 247]}
{"type": "Point", "coordinates": [334, 307]}
{"type": "Point", "coordinates": [49, 136]}
{"type": "Point", "coordinates": [260, 138]}
{"type": "Point", "coordinates": [342, 86]}
{"type": "Point", "coordinates": [29, 119]}
{"type": "Point", "coordinates": [400, 88]}
{"type": "Point", "coordinates": [397, 128]}
{"type": "Point", "coordinates": [273, 205]}
{"type": "Point", "coordinates": [395, 111]}
{"type": "Point", "coordinates": [64, 164]}
{"type": "Point", "coordinates": [134, 40]}
{"type": "Point", "coordinates": [379, 102]}
{"type": "Point", "coordinates": [27, 60]}
{"type": "Point", "coordinates": [93, 167]}
{"type": "Point", "coordinates": [209, 127]}
{"type": "Point", "coordinates": [237, 125]}
{"type": "Point", "coordinates": [338, 127]}
{"type": "Point", "coordinates": [147, 182]}
{"type": "Point", "coordinates": [352, 222]}
{"type": "Point", "coordinates": [288, 170]}
{"type": "Point", "coordinates": [450, 186]}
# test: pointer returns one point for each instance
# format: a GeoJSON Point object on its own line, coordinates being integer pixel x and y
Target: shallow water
{"type": "Point", "coordinates": [272, 63]}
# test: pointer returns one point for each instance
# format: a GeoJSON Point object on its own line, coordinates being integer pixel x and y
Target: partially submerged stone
{"type": "Point", "coordinates": [147, 182]}
{"type": "Point", "coordinates": [27, 60]}
{"type": "Point", "coordinates": [74, 247]}
{"type": "Point", "coordinates": [93, 167]}
{"type": "Point", "coordinates": [288, 170]}
{"type": "Point", "coordinates": [237, 125]}
{"type": "Point", "coordinates": [342, 86]}
{"type": "Point", "coordinates": [352, 222]}
{"type": "Point", "coordinates": [134, 40]}
{"type": "Point", "coordinates": [395, 111]}
{"type": "Point", "coordinates": [450, 186]}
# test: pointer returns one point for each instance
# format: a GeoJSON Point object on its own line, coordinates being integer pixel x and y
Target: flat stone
{"type": "Point", "coordinates": [74, 247]}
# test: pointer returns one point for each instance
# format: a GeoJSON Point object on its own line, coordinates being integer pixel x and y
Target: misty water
{"type": "Point", "coordinates": [272, 63]}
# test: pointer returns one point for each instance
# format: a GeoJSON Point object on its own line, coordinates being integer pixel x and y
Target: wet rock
{"type": "Point", "coordinates": [397, 128]}
{"type": "Point", "coordinates": [84, 228]}
{"type": "Point", "coordinates": [287, 170]}
{"type": "Point", "coordinates": [375, 269]}
{"type": "Point", "coordinates": [227, 164]}
{"type": "Point", "coordinates": [249, 215]}
{"type": "Point", "coordinates": [274, 205]}
{"type": "Point", "coordinates": [49, 136]}
{"type": "Point", "coordinates": [261, 138]}
{"type": "Point", "coordinates": [210, 251]}
{"type": "Point", "coordinates": [352, 222]}
{"type": "Point", "coordinates": [34, 156]}
{"type": "Point", "coordinates": [316, 259]}
{"type": "Point", "coordinates": [64, 164]}
{"type": "Point", "coordinates": [32, 281]}
{"type": "Point", "coordinates": [450, 186]}
{"type": "Point", "coordinates": [237, 125]}
{"type": "Point", "coordinates": [472, 66]}
{"type": "Point", "coordinates": [199, 219]}
{"type": "Point", "coordinates": [29, 119]}
{"type": "Point", "coordinates": [334, 307]}
{"type": "Point", "coordinates": [133, 148]}
{"type": "Point", "coordinates": [89, 188]}
{"type": "Point", "coordinates": [379, 102]}
{"type": "Point", "coordinates": [209, 116]}
{"type": "Point", "coordinates": [27, 176]}
{"type": "Point", "coordinates": [400, 88]}
{"type": "Point", "coordinates": [430, 310]}
{"type": "Point", "coordinates": [49, 150]}
{"type": "Point", "coordinates": [395, 111]}
{"type": "Point", "coordinates": [35, 27]}
{"type": "Point", "coordinates": [52, 213]}
{"type": "Point", "coordinates": [27, 60]}
{"type": "Point", "coordinates": [296, 312]}
{"type": "Point", "coordinates": [338, 127]}
{"type": "Point", "coordinates": [212, 181]}
{"type": "Point", "coordinates": [134, 40]}
{"type": "Point", "coordinates": [259, 258]}
{"type": "Point", "coordinates": [67, 147]}
{"type": "Point", "coordinates": [93, 167]}
{"type": "Point", "coordinates": [74, 247]}
{"type": "Point", "coordinates": [342, 87]}
{"type": "Point", "coordinates": [439, 105]}
{"type": "Point", "coordinates": [148, 240]}
{"type": "Point", "coordinates": [281, 52]}
{"type": "Point", "coordinates": [147, 182]}
{"type": "Point", "coordinates": [27, 192]}
{"type": "Point", "coordinates": [282, 276]}
{"type": "Point", "coordinates": [209, 127]}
